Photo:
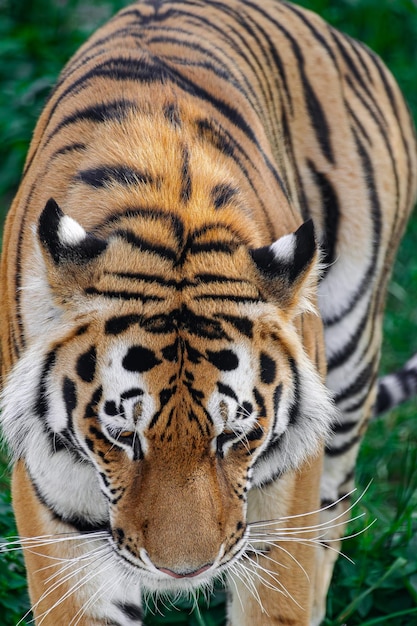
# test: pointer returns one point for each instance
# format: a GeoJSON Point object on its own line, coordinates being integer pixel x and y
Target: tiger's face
{"type": "Point", "coordinates": [171, 404]}
{"type": "Point", "coordinates": [173, 423]}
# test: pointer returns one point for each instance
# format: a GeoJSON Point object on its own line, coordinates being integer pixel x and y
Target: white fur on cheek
{"type": "Point", "coordinates": [65, 482]}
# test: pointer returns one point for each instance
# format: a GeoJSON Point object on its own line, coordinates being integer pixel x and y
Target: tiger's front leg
{"type": "Point", "coordinates": [274, 584]}
{"type": "Point", "coordinates": [73, 576]}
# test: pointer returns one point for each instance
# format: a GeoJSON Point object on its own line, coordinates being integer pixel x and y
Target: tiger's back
{"type": "Point", "coordinates": [167, 347]}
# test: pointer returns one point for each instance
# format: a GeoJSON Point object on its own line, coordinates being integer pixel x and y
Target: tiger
{"type": "Point", "coordinates": [193, 278]}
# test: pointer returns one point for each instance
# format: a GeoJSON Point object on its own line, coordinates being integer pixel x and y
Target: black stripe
{"type": "Point", "coordinates": [360, 383]}
{"type": "Point", "coordinates": [152, 214]}
{"type": "Point", "coordinates": [199, 325]}
{"type": "Point", "coordinates": [331, 209]}
{"type": "Point", "coordinates": [267, 368]}
{"type": "Point", "coordinates": [243, 325]}
{"type": "Point", "coordinates": [224, 360]}
{"type": "Point", "coordinates": [218, 278]}
{"type": "Point", "coordinates": [143, 244]}
{"type": "Point", "coordinates": [193, 417]}
{"type": "Point", "coordinates": [384, 399]}
{"type": "Point", "coordinates": [98, 113]}
{"type": "Point", "coordinates": [228, 247]}
{"type": "Point", "coordinates": [91, 407]}
{"type": "Point", "coordinates": [134, 392]}
{"type": "Point", "coordinates": [222, 195]}
{"type": "Point", "coordinates": [358, 124]}
{"type": "Point", "coordinates": [86, 365]}
{"type": "Point", "coordinates": [341, 428]}
{"type": "Point", "coordinates": [66, 438]}
{"type": "Point", "coordinates": [302, 197]}
{"type": "Point", "coordinates": [172, 114]}
{"type": "Point", "coordinates": [18, 335]}
{"type": "Point", "coordinates": [358, 47]}
{"type": "Point", "coordinates": [116, 325]}
{"type": "Point", "coordinates": [186, 183]}
{"type": "Point", "coordinates": [41, 405]}
{"type": "Point", "coordinates": [72, 147]}
{"type": "Point", "coordinates": [295, 405]}
{"type": "Point", "coordinates": [147, 70]}
{"type": "Point", "coordinates": [340, 357]}
{"type": "Point", "coordinates": [106, 174]}
{"type": "Point", "coordinates": [214, 133]}
{"type": "Point", "coordinates": [229, 297]}
{"type": "Point", "coordinates": [227, 391]}
{"type": "Point", "coordinates": [369, 180]}
{"type": "Point", "coordinates": [69, 394]}
{"type": "Point", "coordinates": [255, 435]}
{"type": "Point", "coordinates": [337, 451]}
{"type": "Point", "coordinates": [122, 295]}
{"type": "Point", "coordinates": [132, 611]}
{"type": "Point", "coordinates": [222, 226]}
{"type": "Point", "coordinates": [221, 441]}
{"type": "Point", "coordinates": [260, 401]}
{"type": "Point", "coordinates": [278, 65]}
{"type": "Point", "coordinates": [360, 401]}
{"type": "Point", "coordinates": [276, 402]}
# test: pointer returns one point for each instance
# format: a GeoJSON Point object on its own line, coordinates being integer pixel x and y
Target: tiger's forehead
{"type": "Point", "coordinates": [169, 160]}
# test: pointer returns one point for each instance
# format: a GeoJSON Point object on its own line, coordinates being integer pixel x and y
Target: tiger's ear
{"type": "Point", "coordinates": [65, 240]}
{"type": "Point", "coordinates": [288, 268]}
{"type": "Point", "coordinates": [65, 263]}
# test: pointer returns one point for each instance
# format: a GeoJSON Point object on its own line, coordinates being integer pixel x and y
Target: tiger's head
{"type": "Point", "coordinates": [172, 381]}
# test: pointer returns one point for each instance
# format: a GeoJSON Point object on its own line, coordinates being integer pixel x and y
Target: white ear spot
{"type": "Point", "coordinates": [70, 232]}
{"type": "Point", "coordinates": [283, 249]}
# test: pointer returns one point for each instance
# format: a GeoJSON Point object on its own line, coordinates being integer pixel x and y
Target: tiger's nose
{"type": "Point", "coordinates": [187, 574]}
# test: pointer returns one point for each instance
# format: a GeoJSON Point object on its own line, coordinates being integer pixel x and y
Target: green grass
{"type": "Point", "coordinates": [380, 587]}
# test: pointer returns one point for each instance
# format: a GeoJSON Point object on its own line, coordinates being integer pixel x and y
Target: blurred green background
{"type": "Point", "coordinates": [380, 587]}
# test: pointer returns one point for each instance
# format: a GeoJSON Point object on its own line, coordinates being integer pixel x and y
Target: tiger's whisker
{"type": "Point", "coordinates": [246, 579]}
{"type": "Point", "coordinates": [308, 529]}
{"type": "Point", "coordinates": [92, 573]}
{"type": "Point", "coordinates": [288, 553]}
{"type": "Point", "coordinates": [316, 511]}
{"type": "Point", "coordinates": [91, 601]}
